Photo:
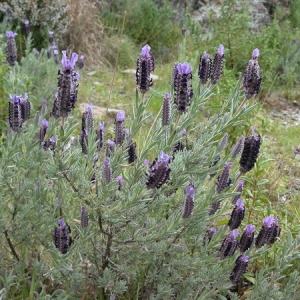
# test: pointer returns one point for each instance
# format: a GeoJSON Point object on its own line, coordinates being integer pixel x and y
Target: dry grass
{"type": "Point", "coordinates": [85, 34]}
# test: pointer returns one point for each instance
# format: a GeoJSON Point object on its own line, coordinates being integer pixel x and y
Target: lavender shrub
{"type": "Point", "coordinates": [135, 229]}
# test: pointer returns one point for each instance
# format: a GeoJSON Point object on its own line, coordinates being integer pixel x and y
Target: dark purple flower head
{"type": "Point", "coordinates": [229, 244]}
{"type": "Point", "coordinates": [166, 110]}
{"type": "Point", "coordinates": [247, 238]}
{"type": "Point", "coordinates": [145, 65]}
{"type": "Point", "coordinates": [159, 171]}
{"type": "Point", "coordinates": [189, 201]}
{"type": "Point", "coordinates": [251, 77]}
{"type": "Point", "coordinates": [182, 83]}
{"type": "Point", "coordinates": [11, 34]}
{"type": "Point", "coordinates": [237, 215]}
{"type": "Point", "coordinates": [224, 179]}
{"type": "Point", "coordinates": [62, 239]}
{"type": "Point", "coordinates": [239, 269]}
{"type": "Point", "coordinates": [269, 232]}
{"type": "Point", "coordinates": [84, 218]}
{"type": "Point", "coordinates": [250, 152]}
{"type": "Point", "coordinates": [184, 68]}
{"type": "Point", "coordinates": [68, 64]}
{"type": "Point", "coordinates": [205, 67]}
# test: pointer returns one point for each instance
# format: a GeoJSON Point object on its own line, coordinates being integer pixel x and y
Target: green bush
{"type": "Point", "coordinates": [145, 22]}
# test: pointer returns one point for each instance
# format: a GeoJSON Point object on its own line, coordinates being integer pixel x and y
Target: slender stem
{"type": "Point", "coordinates": [11, 246]}
{"type": "Point", "coordinates": [116, 63]}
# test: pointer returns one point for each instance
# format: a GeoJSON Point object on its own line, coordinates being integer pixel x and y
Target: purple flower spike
{"type": "Point", "coordinates": [247, 238]}
{"type": "Point", "coordinates": [84, 217]}
{"type": "Point", "coordinates": [184, 68]}
{"type": "Point", "coordinates": [119, 127]}
{"type": "Point", "coordinates": [166, 110]}
{"type": "Point", "coordinates": [250, 152]}
{"type": "Point", "coordinates": [11, 48]}
{"type": "Point", "coordinates": [120, 116]}
{"type": "Point", "coordinates": [182, 82]}
{"type": "Point", "coordinates": [146, 162]}
{"type": "Point", "coordinates": [237, 215]}
{"type": "Point", "coordinates": [224, 179]}
{"type": "Point", "coordinates": [106, 171]}
{"type": "Point", "coordinates": [62, 239]}
{"type": "Point", "coordinates": [68, 64]}
{"type": "Point", "coordinates": [268, 233]}
{"type": "Point", "coordinates": [239, 269]}
{"type": "Point", "coordinates": [145, 65]}
{"type": "Point", "coordinates": [229, 244]}
{"type": "Point", "coordinates": [251, 77]}
{"type": "Point", "coordinates": [145, 53]}
{"type": "Point", "coordinates": [189, 201]}
{"type": "Point", "coordinates": [159, 171]}
{"type": "Point", "coordinates": [255, 53]}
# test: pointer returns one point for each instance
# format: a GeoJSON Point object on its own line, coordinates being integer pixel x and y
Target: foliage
{"type": "Point", "coordinates": [143, 23]}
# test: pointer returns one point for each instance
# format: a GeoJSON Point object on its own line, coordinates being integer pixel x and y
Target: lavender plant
{"type": "Point", "coordinates": [134, 230]}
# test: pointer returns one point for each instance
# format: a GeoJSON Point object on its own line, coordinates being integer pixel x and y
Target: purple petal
{"type": "Point", "coordinates": [234, 233]}
{"type": "Point", "coordinates": [240, 204]}
{"type": "Point", "coordinates": [249, 228]}
{"type": "Point", "coordinates": [221, 50]}
{"type": "Point", "coordinates": [106, 161]}
{"type": "Point", "coordinates": [120, 116]}
{"type": "Point", "coordinates": [190, 191]}
{"type": "Point", "coordinates": [61, 223]}
{"type": "Point", "coordinates": [184, 68]}
{"type": "Point", "coordinates": [269, 221]}
{"type": "Point", "coordinates": [45, 123]}
{"type": "Point", "coordinates": [11, 34]}
{"type": "Point", "coordinates": [255, 53]}
{"type": "Point", "coordinates": [164, 157]}
{"type": "Point", "coordinates": [101, 126]}
{"type": "Point", "coordinates": [244, 258]}
{"type": "Point", "coordinates": [145, 53]}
